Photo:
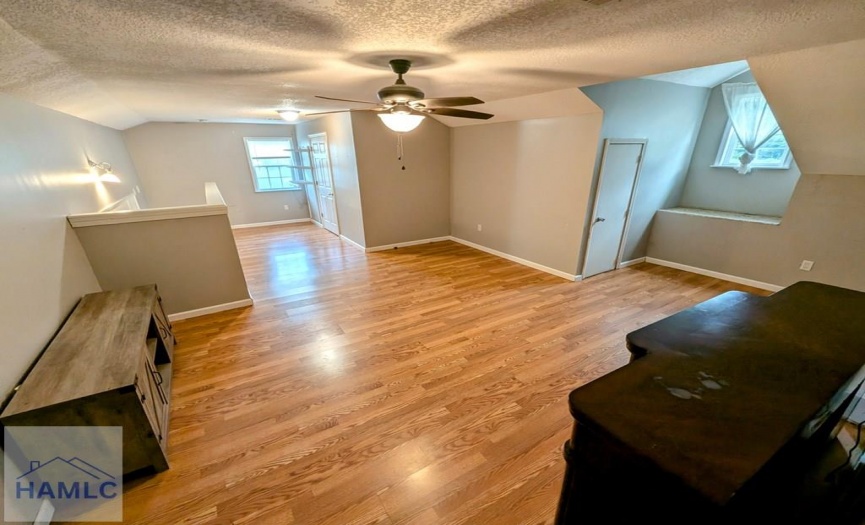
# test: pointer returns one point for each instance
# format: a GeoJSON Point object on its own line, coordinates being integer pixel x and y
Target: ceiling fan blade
{"type": "Point", "coordinates": [447, 102]}
{"type": "Point", "coordinates": [340, 111]}
{"type": "Point", "coordinates": [463, 113]}
{"type": "Point", "coordinates": [348, 100]}
{"type": "Point", "coordinates": [325, 112]}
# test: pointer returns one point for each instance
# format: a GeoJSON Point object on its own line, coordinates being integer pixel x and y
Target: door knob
{"type": "Point", "coordinates": [599, 219]}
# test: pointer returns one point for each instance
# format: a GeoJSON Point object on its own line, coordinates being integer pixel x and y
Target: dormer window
{"type": "Point", "coordinates": [774, 154]}
{"type": "Point", "coordinates": [752, 131]}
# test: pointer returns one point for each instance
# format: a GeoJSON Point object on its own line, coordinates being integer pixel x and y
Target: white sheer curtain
{"type": "Point", "coordinates": [751, 118]}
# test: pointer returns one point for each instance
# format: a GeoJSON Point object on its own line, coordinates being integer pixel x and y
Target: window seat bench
{"type": "Point", "coordinates": [727, 215]}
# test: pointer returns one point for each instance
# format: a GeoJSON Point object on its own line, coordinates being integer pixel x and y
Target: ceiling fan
{"type": "Point", "coordinates": [402, 107]}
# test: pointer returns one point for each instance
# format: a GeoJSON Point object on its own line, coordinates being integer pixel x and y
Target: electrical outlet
{"type": "Point", "coordinates": [285, 207]}
{"type": "Point", "coordinates": [480, 228]}
{"type": "Point", "coordinates": [806, 265]}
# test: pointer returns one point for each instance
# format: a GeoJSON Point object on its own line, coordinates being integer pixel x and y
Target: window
{"type": "Point", "coordinates": [271, 164]}
{"type": "Point", "coordinates": [773, 154]}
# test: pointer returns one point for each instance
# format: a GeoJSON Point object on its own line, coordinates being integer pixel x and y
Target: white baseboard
{"type": "Point", "coordinates": [631, 262]}
{"type": "Point", "coordinates": [316, 223]}
{"type": "Point", "coordinates": [717, 275]}
{"type": "Point", "coordinates": [210, 310]}
{"type": "Point", "coordinates": [518, 260]}
{"type": "Point", "coordinates": [409, 243]}
{"type": "Point", "coordinates": [272, 223]}
{"type": "Point", "coordinates": [356, 245]}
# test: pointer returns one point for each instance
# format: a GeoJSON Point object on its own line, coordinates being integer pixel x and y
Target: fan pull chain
{"type": "Point", "coordinates": [399, 149]}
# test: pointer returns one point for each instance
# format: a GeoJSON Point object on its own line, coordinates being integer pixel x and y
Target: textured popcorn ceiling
{"type": "Point", "coordinates": [123, 62]}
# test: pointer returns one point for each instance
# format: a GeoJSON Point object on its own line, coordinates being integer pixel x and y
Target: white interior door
{"type": "Point", "coordinates": [620, 167]}
{"type": "Point", "coordinates": [324, 182]}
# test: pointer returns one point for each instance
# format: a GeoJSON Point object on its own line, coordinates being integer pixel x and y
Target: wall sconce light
{"type": "Point", "coordinates": [102, 170]}
{"type": "Point", "coordinates": [288, 115]}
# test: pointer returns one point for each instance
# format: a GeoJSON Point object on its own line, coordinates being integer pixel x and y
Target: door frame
{"type": "Point", "coordinates": [607, 143]}
{"type": "Point", "coordinates": [329, 174]}
{"type": "Point", "coordinates": [310, 189]}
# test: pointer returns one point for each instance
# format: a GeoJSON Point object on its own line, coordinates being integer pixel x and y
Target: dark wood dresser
{"type": "Point", "coordinates": [727, 413]}
{"type": "Point", "coordinates": [109, 365]}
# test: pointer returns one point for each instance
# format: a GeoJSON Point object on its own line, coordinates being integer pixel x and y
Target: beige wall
{"type": "Point", "coordinates": [822, 224]}
{"type": "Point", "coordinates": [403, 205]}
{"type": "Point", "coordinates": [527, 183]}
{"type": "Point", "coordinates": [193, 260]}
{"type": "Point", "coordinates": [174, 160]}
{"type": "Point", "coordinates": [761, 192]}
{"type": "Point", "coordinates": [340, 141]}
{"type": "Point", "coordinates": [44, 177]}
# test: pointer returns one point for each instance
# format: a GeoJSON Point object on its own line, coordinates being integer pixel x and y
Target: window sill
{"type": "Point", "coordinates": [727, 215]}
{"type": "Point", "coordinates": [753, 168]}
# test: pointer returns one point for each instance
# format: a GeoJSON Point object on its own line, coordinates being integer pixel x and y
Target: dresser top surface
{"type": "Point", "coordinates": [726, 384]}
{"type": "Point", "coordinates": [97, 349]}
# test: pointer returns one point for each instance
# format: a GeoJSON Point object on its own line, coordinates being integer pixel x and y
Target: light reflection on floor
{"type": "Point", "coordinates": [294, 264]}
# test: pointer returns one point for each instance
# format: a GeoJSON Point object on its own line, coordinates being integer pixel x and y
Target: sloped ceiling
{"type": "Point", "coordinates": [123, 62]}
{"type": "Point", "coordinates": [818, 97]}
{"type": "Point", "coordinates": [706, 76]}
{"type": "Point", "coordinates": [559, 103]}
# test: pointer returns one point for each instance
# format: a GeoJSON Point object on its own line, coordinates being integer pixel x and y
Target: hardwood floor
{"type": "Point", "coordinates": [425, 385]}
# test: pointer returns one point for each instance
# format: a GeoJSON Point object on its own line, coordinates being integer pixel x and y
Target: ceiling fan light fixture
{"type": "Point", "coordinates": [288, 115]}
{"type": "Point", "coordinates": [401, 122]}
{"type": "Point", "coordinates": [402, 107]}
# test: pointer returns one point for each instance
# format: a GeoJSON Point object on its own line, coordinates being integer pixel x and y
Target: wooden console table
{"type": "Point", "coordinates": [110, 365]}
{"type": "Point", "coordinates": [724, 414]}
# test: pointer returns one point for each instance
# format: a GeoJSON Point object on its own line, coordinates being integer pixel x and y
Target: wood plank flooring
{"type": "Point", "coordinates": [425, 385]}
